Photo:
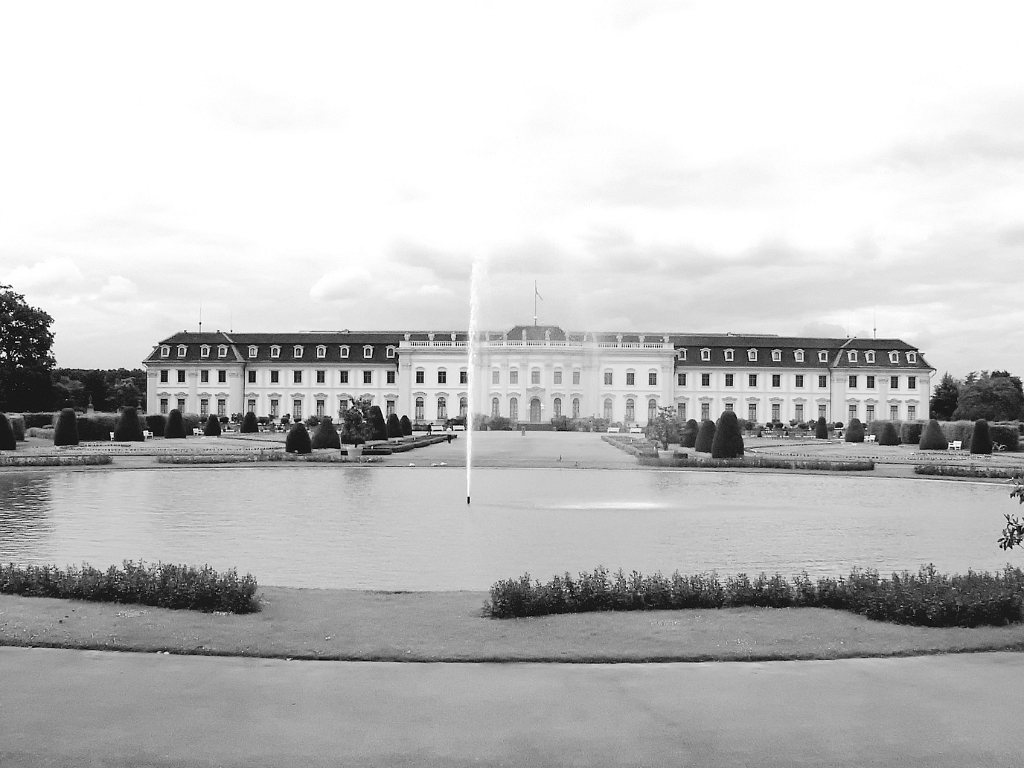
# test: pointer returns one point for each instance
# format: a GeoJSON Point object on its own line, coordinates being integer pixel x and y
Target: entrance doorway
{"type": "Point", "coordinates": [535, 411]}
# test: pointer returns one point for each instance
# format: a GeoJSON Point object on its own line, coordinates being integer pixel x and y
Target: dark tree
{"type": "Point", "coordinates": [355, 426]}
{"type": "Point", "coordinates": [994, 398]}
{"type": "Point", "coordinates": [981, 440]}
{"type": "Point", "coordinates": [128, 429]}
{"type": "Point", "coordinates": [326, 435]}
{"type": "Point", "coordinates": [26, 357]}
{"type": "Point", "coordinates": [945, 397]}
{"type": "Point", "coordinates": [175, 428]}
{"type": "Point", "coordinates": [378, 427]}
{"type": "Point", "coordinates": [406, 426]}
{"type": "Point", "coordinates": [933, 438]}
{"type": "Point", "coordinates": [688, 434]}
{"type": "Point", "coordinates": [249, 423]}
{"type": "Point", "coordinates": [7, 441]}
{"type": "Point", "coordinates": [394, 426]}
{"type": "Point", "coordinates": [298, 439]}
{"type": "Point", "coordinates": [66, 431]}
{"type": "Point", "coordinates": [728, 440]}
{"type": "Point", "coordinates": [888, 435]}
{"type": "Point", "coordinates": [821, 429]}
{"type": "Point", "coordinates": [212, 426]}
{"type": "Point", "coordinates": [855, 432]}
{"type": "Point", "coordinates": [705, 436]}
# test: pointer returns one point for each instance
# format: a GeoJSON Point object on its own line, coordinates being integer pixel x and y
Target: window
{"type": "Point", "coordinates": [705, 354]}
{"type": "Point", "coordinates": [495, 377]}
{"type": "Point", "coordinates": [822, 356]}
{"type": "Point", "coordinates": [681, 379]}
{"type": "Point", "coordinates": [495, 407]}
{"type": "Point", "coordinates": [391, 377]}
{"type": "Point", "coordinates": [513, 377]}
{"type": "Point", "coordinates": [822, 382]}
{"type": "Point", "coordinates": [181, 350]}
{"type": "Point", "coordinates": [344, 352]}
{"type": "Point", "coordinates": [652, 410]}
{"type": "Point", "coordinates": [275, 377]}
{"type": "Point", "coordinates": [344, 377]}
{"type": "Point", "coordinates": [751, 379]}
{"type": "Point", "coordinates": [851, 355]}
{"type": "Point", "coordinates": [252, 377]}
{"type": "Point", "coordinates": [419, 375]}
{"type": "Point", "coordinates": [204, 407]}
{"type": "Point", "coordinates": [799, 381]}
{"type": "Point", "coordinates": [798, 411]}
{"type": "Point", "coordinates": [513, 409]}
{"type": "Point", "coordinates": [419, 409]}
{"type": "Point", "coordinates": [752, 355]}
{"type": "Point", "coordinates": [204, 351]}
{"type": "Point", "coordinates": [869, 413]}
{"type": "Point", "coordinates": [652, 379]}
{"type": "Point", "coordinates": [163, 405]}
{"type": "Point", "coordinates": [463, 407]}
{"type": "Point", "coordinates": [911, 357]}
{"type": "Point", "coordinates": [629, 409]}
{"type": "Point", "coordinates": [321, 352]}
{"type": "Point", "coordinates": [575, 407]}
{"type": "Point", "coordinates": [681, 411]}
{"type": "Point", "coordinates": [729, 355]}
{"type": "Point", "coordinates": [911, 382]}
{"type": "Point", "coordinates": [181, 403]}
{"type": "Point", "coordinates": [163, 377]}
{"type": "Point", "coordinates": [821, 411]}
{"type": "Point", "coordinates": [181, 377]}
{"type": "Point", "coordinates": [751, 411]}
{"type": "Point", "coordinates": [630, 379]}
{"type": "Point", "coordinates": [705, 379]}
{"type": "Point", "coordinates": [776, 355]}
{"type": "Point", "coordinates": [729, 406]}
{"type": "Point", "coordinates": [705, 411]}
{"type": "Point", "coordinates": [274, 409]}
{"type": "Point", "coordinates": [608, 409]}
{"type": "Point", "coordinates": [776, 412]}
{"type": "Point", "coordinates": [607, 378]}
{"type": "Point", "coordinates": [728, 379]}
{"type": "Point", "coordinates": [870, 382]}
{"type": "Point", "coordinates": [852, 412]}
{"type": "Point", "coordinates": [252, 351]}
{"type": "Point", "coordinates": [535, 376]}
{"type": "Point", "coordinates": [275, 351]}
{"type": "Point", "coordinates": [297, 351]}
{"type": "Point", "coordinates": [869, 356]}
{"type": "Point", "coordinates": [296, 377]}
{"type": "Point", "coordinates": [894, 357]}
{"type": "Point", "coordinates": [222, 351]}
{"type": "Point", "coordinates": [165, 351]}
{"type": "Point", "coordinates": [391, 408]}
{"type": "Point", "coordinates": [463, 377]}
{"type": "Point", "coordinates": [222, 407]}
{"type": "Point", "coordinates": [250, 406]}
{"type": "Point", "coordinates": [442, 376]}
{"type": "Point", "coordinates": [894, 382]}
{"type": "Point", "coordinates": [558, 377]}
{"type": "Point", "coordinates": [576, 378]}
{"type": "Point", "coordinates": [798, 355]}
{"type": "Point", "coordinates": [391, 353]}
{"type": "Point", "coordinates": [367, 377]}
{"type": "Point", "coordinates": [222, 377]}
{"type": "Point", "coordinates": [911, 412]}
{"type": "Point", "coordinates": [320, 408]}
{"type": "Point", "coordinates": [894, 412]}
{"type": "Point", "coordinates": [853, 382]}
{"type": "Point", "coordinates": [367, 352]}
{"type": "Point", "coordinates": [681, 353]}
{"type": "Point", "coordinates": [342, 406]}
{"type": "Point", "coordinates": [296, 410]}
{"type": "Point", "coordinates": [776, 380]}
{"type": "Point", "coordinates": [321, 377]}
{"type": "Point", "coordinates": [558, 407]}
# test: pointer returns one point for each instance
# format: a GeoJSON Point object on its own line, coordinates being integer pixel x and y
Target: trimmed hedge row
{"type": "Point", "coordinates": [680, 459]}
{"type": "Point", "coordinates": [163, 585]}
{"type": "Point", "coordinates": [927, 598]}
{"type": "Point", "coordinates": [945, 470]}
{"type": "Point", "coordinates": [94, 459]}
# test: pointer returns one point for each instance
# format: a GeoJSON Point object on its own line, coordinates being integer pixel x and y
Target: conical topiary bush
{"type": "Point", "coordinates": [128, 429]}
{"type": "Point", "coordinates": [932, 437]}
{"type": "Point", "coordinates": [7, 441]}
{"type": "Point", "coordinates": [688, 434]}
{"type": "Point", "coordinates": [175, 428]}
{"type": "Point", "coordinates": [821, 429]}
{"type": "Point", "coordinates": [378, 427]}
{"type": "Point", "coordinates": [981, 440]}
{"type": "Point", "coordinates": [406, 426]}
{"type": "Point", "coordinates": [249, 423]}
{"type": "Point", "coordinates": [728, 440]}
{"type": "Point", "coordinates": [855, 432]}
{"type": "Point", "coordinates": [212, 426]}
{"type": "Point", "coordinates": [298, 439]}
{"type": "Point", "coordinates": [326, 434]}
{"type": "Point", "coordinates": [394, 426]}
{"type": "Point", "coordinates": [66, 431]}
{"type": "Point", "coordinates": [888, 435]}
{"type": "Point", "coordinates": [705, 436]}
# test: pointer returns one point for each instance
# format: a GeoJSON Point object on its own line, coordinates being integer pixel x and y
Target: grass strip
{"type": "Point", "coordinates": [946, 470]}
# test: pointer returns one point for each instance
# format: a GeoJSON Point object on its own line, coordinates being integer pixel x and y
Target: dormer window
{"type": "Point", "coordinates": [776, 355]}
{"type": "Point", "coordinates": [728, 356]}
{"type": "Point", "coordinates": [367, 351]}
{"type": "Point", "coordinates": [297, 351]}
{"type": "Point", "coordinates": [822, 356]}
{"type": "Point", "coordinates": [752, 355]}
{"type": "Point", "coordinates": [252, 351]}
{"type": "Point", "coordinates": [681, 354]}
{"type": "Point", "coordinates": [798, 355]}
{"type": "Point", "coordinates": [869, 356]}
{"type": "Point", "coordinates": [204, 351]}
{"type": "Point", "coordinates": [911, 357]}
{"type": "Point", "coordinates": [391, 353]}
{"type": "Point", "coordinates": [851, 356]}
{"type": "Point", "coordinates": [181, 350]}
{"type": "Point", "coordinates": [894, 357]}
{"type": "Point", "coordinates": [165, 351]}
{"type": "Point", "coordinates": [222, 351]}
{"type": "Point", "coordinates": [321, 352]}
{"type": "Point", "coordinates": [344, 352]}
{"type": "Point", "coordinates": [275, 351]}
{"type": "Point", "coordinates": [705, 354]}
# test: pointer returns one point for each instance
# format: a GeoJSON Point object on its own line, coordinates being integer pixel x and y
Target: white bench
{"type": "Point", "coordinates": [610, 429]}
{"type": "Point", "coordinates": [147, 434]}
{"type": "Point", "coordinates": [197, 432]}
{"type": "Point", "coordinates": [869, 439]}
{"type": "Point", "coordinates": [955, 445]}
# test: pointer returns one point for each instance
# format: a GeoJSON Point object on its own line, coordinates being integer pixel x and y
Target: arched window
{"type": "Point", "coordinates": [222, 351]}
{"type": "Point", "coordinates": [419, 409]}
{"type": "Point", "coordinates": [297, 351]}
{"type": "Point", "coordinates": [204, 351]}
{"type": "Point", "coordinates": [463, 407]}
{"type": "Point", "coordinates": [728, 355]}
{"type": "Point", "coordinates": [652, 409]}
{"type": "Point", "coordinates": [575, 407]}
{"type": "Point", "coordinates": [344, 351]}
{"type": "Point", "coordinates": [513, 409]}
{"type": "Point", "coordinates": [321, 352]}
{"type": "Point", "coordinates": [275, 351]}
{"type": "Point", "coordinates": [165, 351]}
{"type": "Point", "coordinates": [629, 409]}
{"type": "Point", "coordinates": [252, 351]}
{"type": "Point", "coordinates": [495, 408]}
{"type": "Point", "coordinates": [799, 355]}
{"type": "Point", "coordinates": [608, 409]}
{"type": "Point", "coordinates": [442, 408]}
{"type": "Point", "coordinates": [558, 407]}
{"type": "Point", "coordinates": [181, 350]}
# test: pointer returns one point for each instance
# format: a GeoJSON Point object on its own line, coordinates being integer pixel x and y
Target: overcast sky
{"type": "Point", "coordinates": [756, 167]}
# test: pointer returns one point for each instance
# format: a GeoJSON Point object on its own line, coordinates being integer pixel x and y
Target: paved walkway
{"type": "Point", "coordinates": [90, 708]}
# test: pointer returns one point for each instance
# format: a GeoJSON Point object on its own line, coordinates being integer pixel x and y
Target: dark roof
{"type": "Point", "coordinates": [787, 345]}
{"type": "Point", "coordinates": [238, 347]}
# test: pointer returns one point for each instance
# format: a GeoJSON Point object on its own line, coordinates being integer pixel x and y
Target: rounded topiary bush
{"type": "Point", "coordinates": [728, 440]}
{"type": "Point", "coordinates": [981, 440]}
{"type": "Point", "coordinates": [128, 429]}
{"type": "Point", "coordinates": [326, 434]}
{"type": "Point", "coordinates": [66, 431]}
{"type": "Point", "coordinates": [932, 438]}
{"type": "Point", "coordinates": [855, 432]}
{"type": "Point", "coordinates": [406, 426]}
{"type": "Point", "coordinates": [888, 435]}
{"type": "Point", "coordinates": [705, 436]}
{"type": "Point", "coordinates": [821, 429]}
{"type": "Point", "coordinates": [394, 426]}
{"type": "Point", "coordinates": [212, 426]}
{"type": "Point", "coordinates": [688, 434]}
{"type": "Point", "coordinates": [378, 427]}
{"type": "Point", "coordinates": [7, 441]}
{"type": "Point", "coordinates": [298, 439]}
{"type": "Point", "coordinates": [156, 423]}
{"type": "Point", "coordinates": [250, 423]}
{"type": "Point", "coordinates": [175, 428]}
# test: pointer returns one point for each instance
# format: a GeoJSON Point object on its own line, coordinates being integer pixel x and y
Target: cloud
{"type": "Point", "coordinates": [118, 288]}
{"type": "Point", "coordinates": [48, 277]}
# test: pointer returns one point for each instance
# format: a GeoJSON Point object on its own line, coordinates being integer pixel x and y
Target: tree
{"type": "Point", "coordinates": [26, 357]}
{"type": "Point", "coordinates": [728, 440]}
{"type": "Point", "coordinates": [705, 436]}
{"type": "Point", "coordinates": [406, 426]}
{"type": "Point", "coordinates": [66, 431]}
{"type": "Point", "coordinates": [945, 397]}
{"type": "Point", "coordinates": [1013, 533]}
{"type": "Point", "coordinates": [394, 426]}
{"type": "Point", "coordinates": [326, 435]}
{"type": "Point", "coordinates": [128, 429]}
{"type": "Point", "coordinates": [249, 423]}
{"type": "Point", "coordinates": [175, 428]}
{"type": "Point", "coordinates": [981, 440]}
{"type": "Point", "coordinates": [933, 438]}
{"type": "Point", "coordinates": [355, 424]}
{"type": "Point", "coordinates": [664, 428]}
{"type": "Point", "coordinates": [298, 439]}
{"type": "Point", "coordinates": [212, 427]}
{"type": "Point", "coordinates": [888, 436]}
{"type": "Point", "coordinates": [821, 429]}
{"type": "Point", "coordinates": [688, 434]}
{"type": "Point", "coordinates": [378, 427]}
{"type": "Point", "coordinates": [855, 432]}
{"type": "Point", "coordinates": [7, 441]}
{"type": "Point", "coordinates": [991, 397]}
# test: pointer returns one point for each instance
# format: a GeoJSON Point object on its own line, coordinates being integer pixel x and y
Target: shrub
{"type": "Point", "coordinates": [55, 461]}
{"type": "Point", "coordinates": [43, 419]}
{"type": "Point", "coordinates": [312, 421]}
{"type": "Point", "coordinates": [326, 435]}
{"type": "Point", "coordinates": [688, 434]}
{"type": "Point", "coordinates": [888, 434]}
{"type": "Point", "coordinates": [406, 426]}
{"type": "Point", "coordinates": [298, 439]}
{"type": "Point", "coordinates": [378, 427]}
{"type": "Point", "coordinates": [192, 422]}
{"type": "Point", "coordinates": [7, 441]}
{"type": "Point", "coordinates": [1004, 435]}
{"type": "Point", "coordinates": [910, 432]}
{"type": "Point", "coordinates": [249, 423]}
{"type": "Point", "coordinates": [18, 428]}
{"type": "Point", "coordinates": [932, 438]}
{"type": "Point", "coordinates": [946, 470]}
{"type": "Point", "coordinates": [175, 428]}
{"type": "Point", "coordinates": [855, 432]}
{"type": "Point", "coordinates": [96, 426]}
{"type": "Point", "coordinates": [705, 436]}
{"type": "Point", "coordinates": [128, 428]}
{"type": "Point", "coordinates": [821, 429]}
{"type": "Point", "coordinates": [981, 441]}
{"type": "Point", "coordinates": [958, 430]}
{"type": "Point", "coordinates": [212, 427]}
{"type": "Point", "coordinates": [499, 424]}
{"type": "Point", "coordinates": [66, 431]}
{"type": "Point", "coordinates": [156, 423]}
{"type": "Point", "coordinates": [394, 426]}
{"type": "Point", "coordinates": [728, 440]}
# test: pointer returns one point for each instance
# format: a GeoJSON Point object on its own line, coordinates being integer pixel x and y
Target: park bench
{"type": "Point", "coordinates": [613, 429]}
{"type": "Point", "coordinates": [955, 445]}
{"type": "Point", "coordinates": [869, 439]}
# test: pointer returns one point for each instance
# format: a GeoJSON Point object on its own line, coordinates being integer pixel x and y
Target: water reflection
{"type": "Point", "coordinates": [25, 502]}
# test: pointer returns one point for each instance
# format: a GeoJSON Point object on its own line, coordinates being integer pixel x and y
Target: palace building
{"type": "Point", "coordinates": [534, 373]}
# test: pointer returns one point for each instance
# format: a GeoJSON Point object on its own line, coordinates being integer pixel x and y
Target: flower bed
{"type": "Point", "coordinates": [55, 461]}
{"type": "Point", "coordinates": [945, 470]}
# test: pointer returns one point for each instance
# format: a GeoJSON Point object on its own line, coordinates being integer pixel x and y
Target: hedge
{"type": "Point", "coordinates": [18, 428]}
{"type": "Point", "coordinates": [249, 423]}
{"type": "Point", "coordinates": [298, 440]}
{"type": "Point", "coordinates": [175, 429]}
{"type": "Point", "coordinates": [910, 432]}
{"type": "Point", "coordinates": [66, 431]}
{"type": "Point", "coordinates": [7, 439]}
{"type": "Point", "coordinates": [326, 435]}
{"type": "Point", "coordinates": [981, 441]}
{"type": "Point", "coordinates": [855, 432]}
{"type": "Point", "coordinates": [821, 429]}
{"type": "Point", "coordinates": [39, 419]}
{"type": "Point", "coordinates": [129, 427]}
{"type": "Point", "coordinates": [89, 459]}
{"type": "Point", "coordinates": [156, 423]}
{"type": "Point", "coordinates": [947, 470]}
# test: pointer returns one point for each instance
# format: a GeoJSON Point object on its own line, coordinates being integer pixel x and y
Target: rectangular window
{"type": "Point", "coordinates": [728, 406]}
{"type": "Point", "coordinates": [752, 379]}
{"type": "Point", "coordinates": [390, 409]}
{"type": "Point", "coordinates": [273, 409]}
{"type": "Point", "coordinates": [513, 377]}
{"type": "Point", "coordinates": [799, 383]}
{"type": "Point", "coordinates": [252, 377]}
{"type": "Point", "coordinates": [894, 412]}
{"type": "Point", "coordinates": [222, 407]}
{"type": "Point", "coordinates": [728, 379]}
{"type": "Point", "coordinates": [558, 377]}
{"type": "Point", "coordinates": [296, 410]}
{"type": "Point", "coordinates": [535, 377]}
{"type": "Point", "coordinates": [607, 378]}
{"type": "Point", "coordinates": [821, 411]}
{"type": "Point", "coordinates": [463, 377]}
{"type": "Point", "coordinates": [853, 412]}
{"type": "Point", "coordinates": [163, 405]}
{"type": "Point", "coordinates": [420, 377]}
{"type": "Point", "coordinates": [222, 377]}
{"type": "Point", "coordinates": [705, 411]}
{"type": "Point", "coordinates": [320, 408]}
{"type": "Point", "coordinates": [204, 407]}
{"type": "Point", "coordinates": [275, 377]}
{"type": "Point", "coordinates": [894, 382]}
{"type": "Point", "coordinates": [296, 377]}
{"type": "Point", "coordinates": [251, 406]}
{"type": "Point", "coordinates": [681, 411]}
{"type": "Point", "coordinates": [181, 377]}
{"type": "Point", "coordinates": [799, 412]}
{"type": "Point", "coordinates": [681, 379]}
{"type": "Point", "coordinates": [776, 412]}
{"type": "Point", "coordinates": [495, 377]}
{"type": "Point", "coordinates": [442, 377]}
{"type": "Point", "coordinates": [911, 412]}
{"type": "Point", "coordinates": [630, 379]}
{"type": "Point", "coordinates": [204, 377]}
{"type": "Point", "coordinates": [163, 377]}
{"type": "Point", "coordinates": [576, 377]}
{"type": "Point", "coordinates": [705, 379]}
{"type": "Point", "coordinates": [751, 411]}
{"type": "Point", "coordinates": [869, 413]}
{"type": "Point", "coordinates": [911, 382]}
{"type": "Point", "coordinates": [321, 378]}
{"type": "Point", "coordinates": [776, 380]}
{"type": "Point", "coordinates": [391, 377]}
{"type": "Point", "coordinates": [870, 382]}
{"type": "Point", "coordinates": [652, 379]}
{"type": "Point", "coordinates": [344, 377]}
{"type": "Point", "coordinates": [367, 377]}
{"type": "Point", "coordinates": [181, 404]}
{"type": "Point", "coordinates": [853, 382]}
{"type": "Point", "coordinates": [822, 382]}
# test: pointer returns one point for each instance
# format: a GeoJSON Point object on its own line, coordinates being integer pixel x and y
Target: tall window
{"type": "Point", "coordinates": [652, 379]}
{"type": "Point", "coordinates": [419, 409]}
{"type": "Point", "coordinates": [204, 376]}
{"type": "Point", "coordinates": [705, 379]}
{"type": "Point", "coordinates": [419, 376]}
{"type": "Point", "coordinates": [275, 377]}
{"type": "Point", "coordinates": [729, 379]}
{"type": "Point", "coordinates": [652, 409]}
{"type": "Point", "coordinates": [163, 377]}
{"type": "Point", "coordinates": [222, 407]}
{"type": "Point", "coordinates": [558, 407]}
{"type": "Point", "coordinates": [321, 377]}
{"type": "Point", "coordinates": [535, 376]}
{"type": "Point", "coordinates": [442, 376]}
{"type": "Point", "coordinates": [575, 407]}
{"type": "Point", "coordinates": [576, 377]}
{"type": "Point", "coordinates": [320, 407]}
{"type": "Point", "coordinates": [181, 377]}
{"type": "Point", "coordinates": [776, 412]}
{"type": "Point", "coordinates": [463, 377]}
{"type": "Point", "coordinates": [894, 382]}
{"type": "Point", "coordinates": [463, 407]}
{"type": "Point", "coordinates": [391, 377]}
{"type": "Point", "coordinates": [513, 377]}
{"type": "Point", "coordinates": [870, 382]}
{"type": "Point", "coordinates": [752, 379]}
{"type": "Point", "coordinates": [776, 380]}
{"type": "Point", "coordinates": [163, 405]}
{"type": "Point", "coordinates": [911, 382]}
{"type": "Point", "coordinates": [558, 377]}
{"type": "Point", "coordinates": [222, 377]}
{"type": "Point", "coordinates": [252, 377]}
{"type": "Point", "coordinates": [799, 380]}
{"type": "Point", "coordinates": [391, 408]}
{"type": "Point", "coordinates": [822, 382]}
{"type": "Point", "coordinates": [296, 410]}
{"type": "Point", "coordinates": [852, 412]}
{"type": "Point", "coordinates": [251, 406]}
{"type": "Point", "coordinates": [894, 412]}
{"type": "Point", "coordinates": [181, 404]}
{"type": "Point", "coordinates": [273, 409]}
{"type": "Point", "coordinates": [751, 411]}
{"type": "Point", "coordinates": [495, 407]}
{"type": "Point", "coordinates": [799, 411]}
{"type": "Point", "coordinates": [296, 377]}
{"type": "Point", "coordinates": [728, 406]}
{"type": "Point", "coordinates": [367, 377]}
{"type": "Point", "coordinates": [607, 378]}
{"type": "Point", "coordinates": [705, 411]}
{"type": "Point", "coordinates": [442, 408]}
{"type": "Point", "coordinates": [911, 412]}
{"type": "Point", "coordinates": [630, 379]}
{"type": "Point", "coordinates": [681, 379]}
{"type": "Point", "coordinates": [204, 407]}
{"type": "Point", "coordinates": [513, 409]}
{"type": "Point", "coordinates": [681, 410]}
{"type": "Point", "coordinates": [853, 382]}
{"type": "Point", "coordinates": [821, 411]}
{"type": "Point", "coordinates": [495, 377]}
{"type": "Point", "coordinates": [344, 377]}
{"type": "Point", "coordinates": [869, 413]}
{"type": "Point", "coordinates": [629, 409]}
{"type": "Point", "coordinates": [608, 409]}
